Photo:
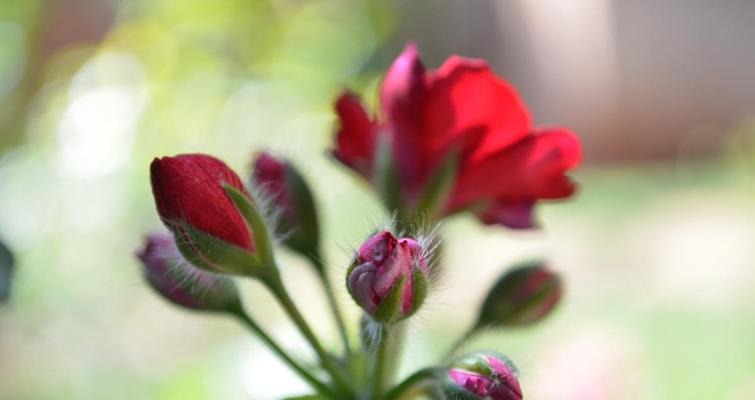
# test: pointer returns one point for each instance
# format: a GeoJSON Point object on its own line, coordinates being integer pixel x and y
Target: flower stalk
{"type": "Point", "coordinates": [252, 325]}
{"type": "Point", "coordinates": [275, 285]}
{"type": "Point", "coordinates": [412, 382]}
{"type": "Point", "coordinates": [380, 361]}
{"type": "Point", "coordinates": [330, 296]}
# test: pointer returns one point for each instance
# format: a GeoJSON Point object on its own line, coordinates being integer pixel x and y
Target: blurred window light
{"type": "Point", "coordinates": [96, 131]}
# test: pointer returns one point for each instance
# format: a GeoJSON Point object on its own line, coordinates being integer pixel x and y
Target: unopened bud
{"type": "Point", "coordinates": [388, 277]}
{"type": "Point", "coordinates": [522, 296]}
{"type": "Point", "coordinates": [286, 188]}
{"type": "Point", "coordinates": [181, 283]}
{"type": "Point", "coordinates": [191, 192]}
{"type": "Point", "coordinates": [482, 376]}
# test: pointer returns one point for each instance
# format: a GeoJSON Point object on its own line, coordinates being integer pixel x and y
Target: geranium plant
{"type": "Point", "coordinates": [446, 141]}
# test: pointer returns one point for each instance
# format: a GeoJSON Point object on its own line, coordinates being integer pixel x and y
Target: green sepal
{"type": "Point", "coordinates": [389, 310]}
{"type": "Point", "coordinates": [385, 176]}
{"type": "Point", "coordinates": [304, 237]}
{"type": "Point", "coordinates": [212, 253]}
{"type": "Point", "coordinates": [256, 224]}
{"type": "Point", "coordinates": [452, 391]}
{"type": "Point", "coordinates": [437, 189]}
{"type": "Point", "coordinates": [419, 290]}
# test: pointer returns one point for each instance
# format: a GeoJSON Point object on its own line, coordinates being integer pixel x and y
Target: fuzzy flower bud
{"type": "Point", "coordinates": [388, 277]}
{"type": "Point", "coordinates": [191, 195]}
{"type": "Point", "coordinates": [181, 283]}
{"type": "Point", "coordinates": [285, 187]}
{"type": "Point", "coordinates": [482, 376]}
{"type": "Point", "coordinates": [522, 296]}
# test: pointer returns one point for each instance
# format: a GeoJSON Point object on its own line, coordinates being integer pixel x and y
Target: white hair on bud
{"type": "Point", "coordinates": [196, 281]}
{"type": "Point", "coordinates": [268, 207]}
{"type": "Point", "coordinates": [373, 334]}
{"type": "Point", "coordinates": [185, 274]}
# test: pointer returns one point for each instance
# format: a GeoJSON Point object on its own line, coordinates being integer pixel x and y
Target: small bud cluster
{"type": "Point", "coordinates": [435, 152]}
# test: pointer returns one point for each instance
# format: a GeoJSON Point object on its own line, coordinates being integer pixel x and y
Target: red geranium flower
{"type": "Point", "coordinates": [504, 165]}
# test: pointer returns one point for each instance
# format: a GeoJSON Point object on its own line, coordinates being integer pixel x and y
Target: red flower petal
{"type": "Point", "coordinates": [188, 188]}
{"type": "Point", "coordinates": [534, 168]}
{"type": "Point", "coordinates": [516, 214]}
{"type": "Point", "coordinates": [402, 97]}
{"type": "Point", "coordinates": [464, 95]}
{"type": "Point", "coordinates": [355, 142]}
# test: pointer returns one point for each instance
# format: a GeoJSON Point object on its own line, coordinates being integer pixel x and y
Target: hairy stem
{"type": "Point", "coordinates": [379, 362]}
{"type": "Point", "coordinates": [316, 384]}
{"type": "Point", "coordinates": [328, 363]}
{"type": "Point", "coordinates": [412, 381]}
{"type": "Point", "coordinates": [458, 343]}
{"type": "Point", "coordinates": [317, 262]}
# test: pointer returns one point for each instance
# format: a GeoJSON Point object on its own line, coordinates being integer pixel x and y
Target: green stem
{"type": "Point", "coordinates": [378, 372]}
{"type": "Point", "coordinates": [410, 382]}
{"type": "Point", "coordinates": [317, 262]}
{"type": "Point", "coordinates": [393, 359]}
{"type": "Point", "coordinates": [257, 330]}
{"type": "Point", "coordinates": [457, 344]}
{"type": "Point", "coordinates": [276, 287]}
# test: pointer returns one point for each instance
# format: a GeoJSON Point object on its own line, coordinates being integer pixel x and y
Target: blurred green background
{"type": "Point", "coordinates": [657, 250]}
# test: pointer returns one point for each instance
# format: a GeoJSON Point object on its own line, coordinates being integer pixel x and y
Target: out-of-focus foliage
{"type": "Point", "coordinates": [90, 92]}
{"type": "Point", "coordinates": [6, 272]}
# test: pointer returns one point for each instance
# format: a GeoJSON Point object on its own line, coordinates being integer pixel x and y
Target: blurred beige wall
{"type": "Point", "coordinates": [637, 79]}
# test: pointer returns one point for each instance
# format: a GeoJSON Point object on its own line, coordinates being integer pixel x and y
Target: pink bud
{"type": "Point", "coordinates": [388, 277]}
{"type": "Point", "coordinates": [173, 277]}
{"type": "Point", "coordinates": [482, 376]}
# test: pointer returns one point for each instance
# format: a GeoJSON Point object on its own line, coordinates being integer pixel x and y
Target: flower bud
{"type": "Point", "coordinates": [180, 282]}
{"type": "Point", "coordinates": [388, 277]}
{"type": "Point", "coordinates": [482, 376]}
{"type": "Point", "coordinates": [192, 201]}
{"type": "Point", "coordinates": [522, 296]}
{"type": "Point", "coordinates": [285, 187]}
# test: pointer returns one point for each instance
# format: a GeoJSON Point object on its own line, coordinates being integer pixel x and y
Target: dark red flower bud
{"type": "Point", "coordinates": [173, 277]}
{"type": "Point", "coordinates": [522, 296]}
{"type": "Point", "coordinates": [288, 191]}
{"type": "Point", "coordinates": [190, 197]}
{"type": "Point", "coordinates": [482, 376]}
{"type": "Point", "coordinates": [461, 112]}
{"type": "Point", "coordinates": [388, 277]}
